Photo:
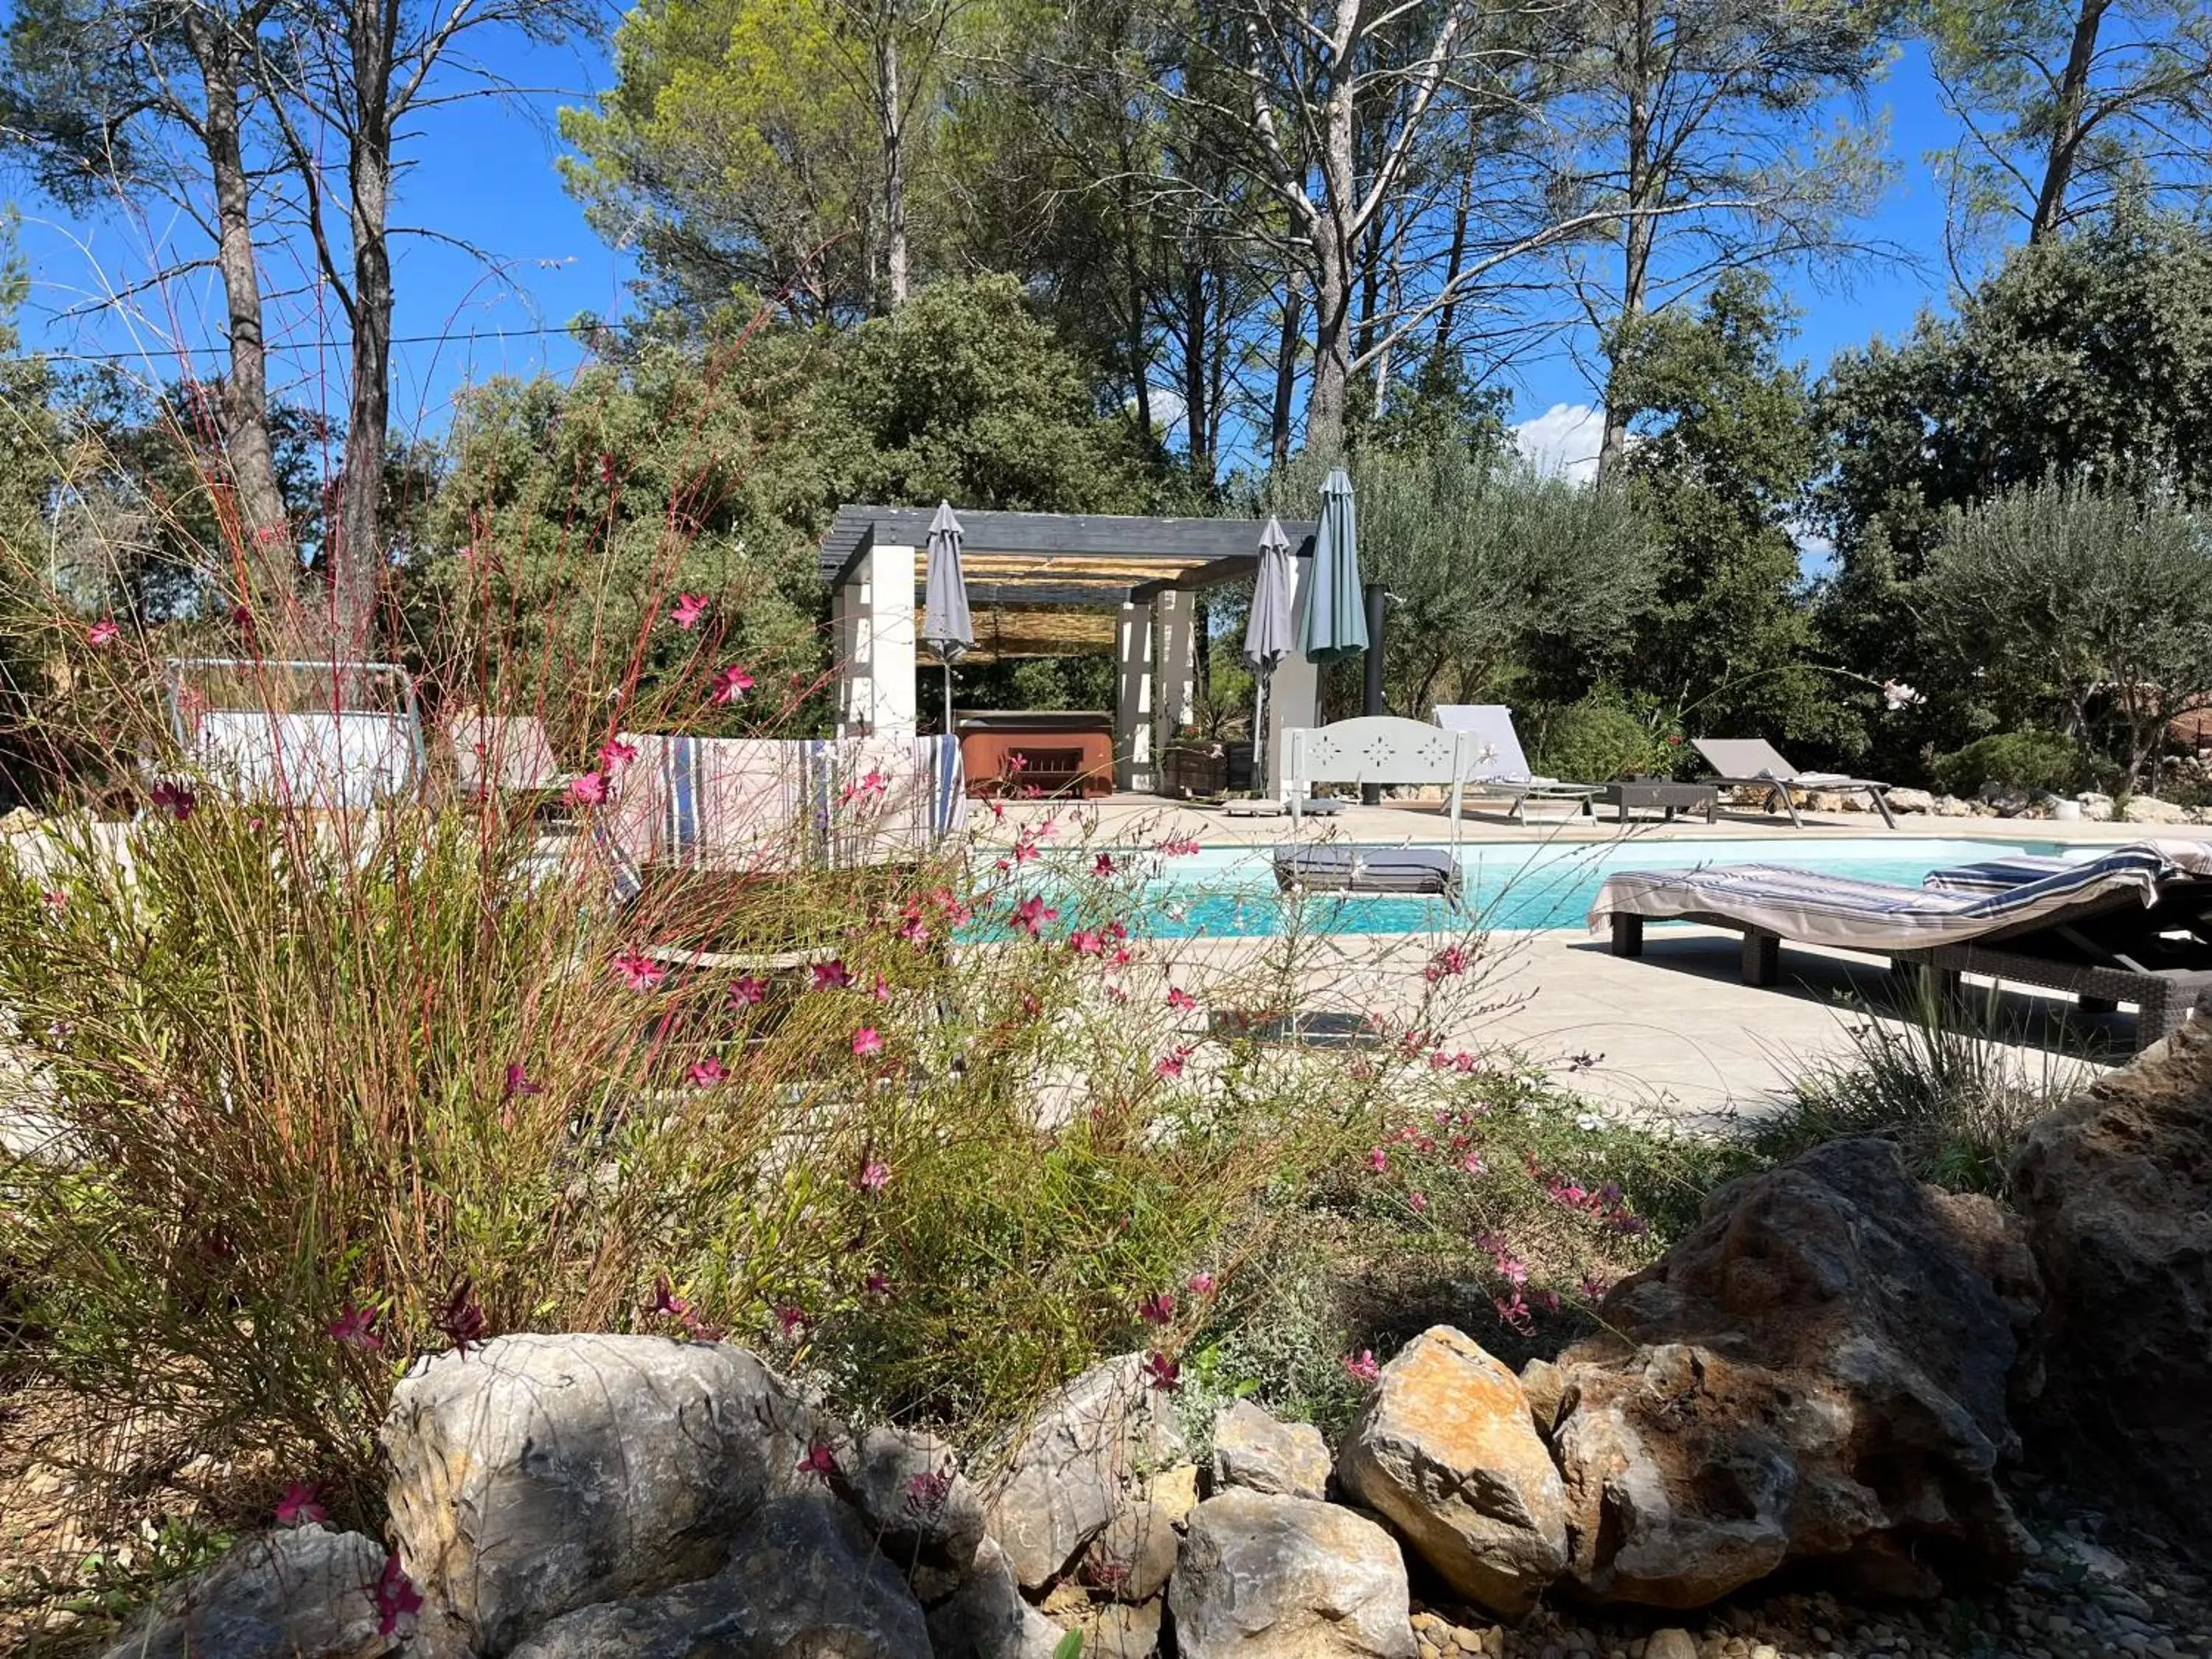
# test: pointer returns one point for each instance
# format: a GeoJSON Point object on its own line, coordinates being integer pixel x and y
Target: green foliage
{"type": "Point", "coordinates": [1598, 739]}
{"type": "Point", "coordinates": [2046, 762]}
{"type": "Point", "coordinates": [2080, 601]}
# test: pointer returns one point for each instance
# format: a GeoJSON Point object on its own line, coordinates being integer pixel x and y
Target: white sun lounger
{"type": "Point", "coordinates": [1499, 765]}
{"type": "Point", "coordinates": [1755, 763]}
{"type": "Point", "coordinates": [2133, 926]}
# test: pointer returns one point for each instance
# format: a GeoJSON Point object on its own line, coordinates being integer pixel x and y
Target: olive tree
{"type": "Point", "coordinates": [2081, 601]}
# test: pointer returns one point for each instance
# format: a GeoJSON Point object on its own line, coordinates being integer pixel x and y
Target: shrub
{"type": "Point", "coordinates": [1596, 740]}
{"type": "Point", "coordinates": [2041, 762]}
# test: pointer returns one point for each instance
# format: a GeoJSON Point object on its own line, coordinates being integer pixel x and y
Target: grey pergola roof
{"type": "Point", "coordinates": [1030, 559]}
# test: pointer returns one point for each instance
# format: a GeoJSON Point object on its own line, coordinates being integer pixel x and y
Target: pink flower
{"type": "Point", "coordinates": [818, 1461]}
{"type": "Point", "coordinates": [1171, 1064]}
{"type": "Point", "coordinates": [878, 1284]}
{"type": "Point", "coordinates": [925, 1492]}
{"type": "Point", "coordinates": [706, 1073]}
{"type": "Point", "coordinates": [689, 608]}
{"type": "Point", "coordinates": [615, 752]}
{"type": "Point", "coordinates": [1420, 1201]}
{"type": "Point", "coordinates": [747, 991]}
{"type": "Point", "coordinates": [354, 1329]}
{"type": "Point", "coordinates": [1449, 963]}
{"type": "Point", "coordinates": [1200, 1284]}
{"type": "Point", "coordinates": [875, 1175]}
{"type": "Point", "coordinates": [866, 1041]}
{"type": "Point", "coordinates": [300, 1505]}
{"type": "Point", "coordinates": [1157, 1310]}
{"type": "Point", "coordinates": [1511, 1267]}
{"type": "Point", "coordinates": [1361, 1367]}
{"type": "Point", "coordinates": [1596, 1288]}
{"type": "Point", "coordinates": [1084, 942]}
{"type": "Point", "coordinates": [1162, 1372]}
{"type": "Point", "coordinates": [1181, 999]}
{"type": "Point", "coordinates": [54, 899]}
{"type": "Point", "coordinates": [174, 799]}
{"type": "Point", "coordinates": [1103, 866]}
{"type": "Point", "coordinates": [883, 991]}
{"type": "Point", "coordinates": [397, 1601]}
{"type": "Point", "coordinates": [639, 971]}
{"type": "Point", "coordinates": [1513, 1310]}
{"type": "Point", "coordinates": [732, 683]}
{"type": "Point", "coordinates": [1472, 1163]}
{"type": "Point", "coordinates": [1031, 913]}
{"type": "Point", "coordinates": [830, 976]}
{"type": "Point", "coordinates": [591, 788]}
{"type": "Point", "coordinates": [519, 1083]}
{"type": "Point", "coordinates": [102, 634]}
{"type": "Point", "coordinates": [1176, 846]}
{"type": "Point", "coordinates": [1024, 850]}
{"type": "Point", "coordinates": [1379, 1159]}
{"type": "Point", "coordinates": [790, 1320]}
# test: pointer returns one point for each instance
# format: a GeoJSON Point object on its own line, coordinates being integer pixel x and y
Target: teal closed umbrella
{"type": "Point", "coordinates": [1335, 621]}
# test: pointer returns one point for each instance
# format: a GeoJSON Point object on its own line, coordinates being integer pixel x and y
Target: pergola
{"type": "Point", "coordinates": [1054, 584]}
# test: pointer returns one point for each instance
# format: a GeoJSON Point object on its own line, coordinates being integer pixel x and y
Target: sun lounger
{"type": "Point", "coordinates": [1755, 763]}
{"type": "Point", "coordinates": [1997, 875]}
{"type": "Point", "coordinates": [503, 755]}
{"type": "Point", "coordinates": [1498, 767]}
{"type": "Point", "coordinates": [1398, 870]}
{"type": "Point", "coordinates": [230, 719]}
{"type": "Point", "coordinates": [2134, 925]}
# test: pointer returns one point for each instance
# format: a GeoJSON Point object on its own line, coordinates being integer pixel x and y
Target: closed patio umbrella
{"type": "Point", "coordinates": [1335, 622]}
{"type": "Point", "coordinates": [947, 627]}
{"type": "Point", "coordinates": [1269, 633]}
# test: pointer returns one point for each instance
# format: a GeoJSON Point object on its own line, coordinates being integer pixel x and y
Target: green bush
{"type": "Point", "coordinates": [1596, 740]}
{"type": "Point", "coordinates": [2046, 763]}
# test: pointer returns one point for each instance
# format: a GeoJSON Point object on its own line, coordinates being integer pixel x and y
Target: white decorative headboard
{"type": "Point", "coordinates": [1384, 749]}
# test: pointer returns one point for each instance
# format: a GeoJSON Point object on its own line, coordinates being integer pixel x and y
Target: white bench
{"type": "Point", "coordinates": [1377, 749]}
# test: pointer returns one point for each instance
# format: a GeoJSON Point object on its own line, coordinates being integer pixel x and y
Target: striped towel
{"type": "Point", "coordinates": [1817, 908]}
{"type": "Point", "coordinates": [1995, 875]}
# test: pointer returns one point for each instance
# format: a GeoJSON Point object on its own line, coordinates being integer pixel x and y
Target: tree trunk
{"type": "Point", "coordinates": [265, 553]}
{"type": "Point", "coordinates": [1133, 278]}
{"type": "Point", "coordinates": [2066, 122]}
{"type": "Point", "coordinates": [1645, 184]}
{"type": "Point", "coordinates": [1454, 259]}
{"type": "Point", "coordinates": [1286, 376]}
{"type": "Point", "coordinates": [357, 567]}
{"type": "Point", "coordinates": [893, 123]}
{"type": "Point", "coordinates": [1197, 419]}
{"type": "Point", "coordinates": [1331, 237]}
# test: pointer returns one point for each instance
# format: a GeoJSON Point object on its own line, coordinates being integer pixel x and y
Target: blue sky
{"type": "Point", "coordinates": [486, 172]}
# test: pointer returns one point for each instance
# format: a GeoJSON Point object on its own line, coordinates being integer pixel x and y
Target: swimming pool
{"type": "Point", "coordinates": [1230, 891]}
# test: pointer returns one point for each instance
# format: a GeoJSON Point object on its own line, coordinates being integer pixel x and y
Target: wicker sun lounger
{"type": "Point", "coordinates": [1755, 763]}
{"type": "Point", "coordinates": [2134, 925]}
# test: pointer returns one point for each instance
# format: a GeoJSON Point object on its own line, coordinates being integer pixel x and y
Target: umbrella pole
{"type": "Point", "coordinates": [948, 696]}
{"type": "Point", "coordinates": [1259, 730]}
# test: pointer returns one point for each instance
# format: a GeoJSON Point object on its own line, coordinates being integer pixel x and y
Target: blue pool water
{"type": "Point", "coordinates": [1230, 891]}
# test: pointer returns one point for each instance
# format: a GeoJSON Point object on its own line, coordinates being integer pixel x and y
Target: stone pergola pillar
{"type": "Point", "coordinates": [1134, 766]}
{"type": "Point", "coordinates": [1178, 667]}
{"type": "Point", "coordinates": [874, 612]}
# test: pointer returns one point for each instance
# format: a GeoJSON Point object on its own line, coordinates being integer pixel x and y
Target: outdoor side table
{"type": "Point", "coordinates": [1639, 794]}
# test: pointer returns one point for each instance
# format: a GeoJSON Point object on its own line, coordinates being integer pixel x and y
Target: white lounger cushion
{"type": "Point", "coordinates": [1814, 908]}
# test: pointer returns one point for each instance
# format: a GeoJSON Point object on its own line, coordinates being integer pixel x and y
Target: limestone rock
{"type": "Point", "coordinates": [1911, 800]}
{"type": "Point", "coordinates": [987, 1619]}
{"type": "Point", "coordinates": [1251, 1448]}
{"type": "Point", "coordinates": [1269, 1577]}
{"type": "Point", "coordinates": [1085, 1448]}
{"type": "Point", "coordinates": [305, 1593]}
{"type": "Point", "coordinates": [1823, 1376]}
{"type": "Point", "coordinates": [1671, 1643]}
{"type": "Point", "coordinates": [1115, 1630]}
{"type": "Point", "coordinates": [1950, 806]}
{"type": "Point", "coordinates": [1133, 1557]}
{"type": "Point", "coordinates": [1174, 1492]}
{"type": "Point", "coordinates": [928, 1518]}
{"type": "Point", "coordinates": [1447, 1452]}
{"type": "Point", "coordinates": [2148, 809]}
{"type": "Point", "coordinates": [803, 1578]}
{"type": "Point", "coordinates": [2115, 1187]}
{"type": "Point", "coordinates": [537, 1474]}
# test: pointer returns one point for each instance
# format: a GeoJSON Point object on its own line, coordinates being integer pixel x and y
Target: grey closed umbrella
{"type": "Point", "coordinates": [1270, 634]}
{"type": "Point", "coordinates": [1335, 622]}
{"type": "Point", "coordinates": [947, 627]}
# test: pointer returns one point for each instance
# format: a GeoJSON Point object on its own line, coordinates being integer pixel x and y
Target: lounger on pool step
{"type": "Point", "coordinates": [1400, 869]}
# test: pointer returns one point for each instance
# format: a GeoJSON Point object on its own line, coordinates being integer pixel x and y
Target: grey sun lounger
{"type": "Point", "coordinates": [1755, 763]}
{"type": "Point", "coordinates": [1499, 766]}
{"type": "Point", "coordinates": [2134, 925]}
{"type": "Point", "coordinates": [1404, 871]}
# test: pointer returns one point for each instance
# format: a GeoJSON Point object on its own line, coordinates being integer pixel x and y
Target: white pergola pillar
{"type": "Point", "coordinates": [1132, 699]}
{"type": "Point", "coordinates": [1293, 690]}
{"type": "Point", "coordinates": [874, 612]}
{"type": "Point", "coordinates": [1178, 667]}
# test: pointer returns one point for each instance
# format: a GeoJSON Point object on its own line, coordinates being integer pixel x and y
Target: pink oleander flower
{"type": "Point", "coordinates": [1180, 999]}
{"type": "Point", "coordinates": [1086, 941]}
{"type": "Point", "coordinates": [1030, 916]}
{"type": "Point", "coordinates": [102, 634]}
{"type": "Point", "coordinates": [1103, 866]}
{"type": "Point", "coordinates": [1379, 1159]}
{"type": "Point", "coordinates": [1361, 1367]}
{"type": "Point", "coordinates": [706, 1073]}
{"type": "Point", "coordinates": [519, 1083]}
{"type": "Point", "coordinates": [591, 788]}
{"type": "Point", "coordinates": [1157, 1310]}
{"type": "Point", "coordinates": [397, 1601]}
{"type": "Point", "coordinates": [1024, 850]}
{"type": "Point", "coordinates": [747, 990]}
{"type": "Point", "coordinates": [732, 683]}
{"type": "Point", "coordinates": [637, 971]}
{"type": "Point", "coordinates": [1449, 963]}
{"type": "Point", "coordinates": [1472, 1163]}
{"type": "Point", "coordinates": [615, 752]}
{"type": "Point", "coordinates": [1199, 1282]}
{"type": "Point", "coordinates": [1122, 957]}
{"type": "Point", "coordinates": [867, 1041]}
{"type": "Point", "coordinates": [1171, 1064]}
{"type": "Point", "coordinates": [830, 976]}
{"type": "Point", "coordinates": [1513, 1310]}
{"type": "Point", "coordinates": [301, 1505]}
{"type": "Point", "coordinates": [175, 798]}
{"type": "Point", "coordinates": [355, 1328]}
{"type": "Point", "coordinates": [1162, 1372]}
{"type": "Point", "coordinates": [690, 609]}
{"type": "Point", "coordinates": [1511, 1267]}
{"type": "Point", "coordinates": [819, 1462]}
{"type": "Point", "coordinates": [875, 1176]}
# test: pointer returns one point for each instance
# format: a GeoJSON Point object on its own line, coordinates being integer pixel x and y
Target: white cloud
{"type": "Point", "coordinates": [1167, 408]}
{"type": "Point", "coordinates": [1565, 439]}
